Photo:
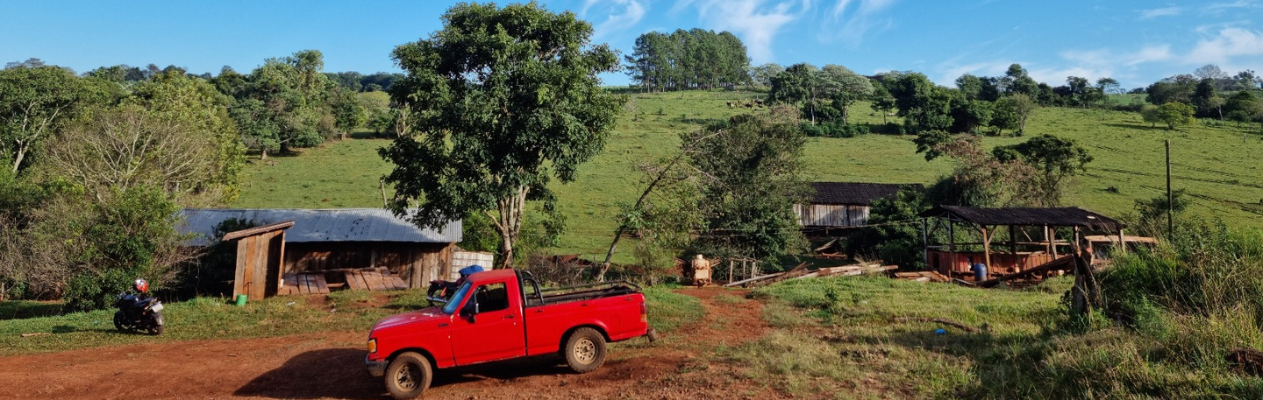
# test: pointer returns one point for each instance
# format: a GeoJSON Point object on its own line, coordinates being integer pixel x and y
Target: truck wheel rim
{"type": "Point", "coordinates": [585, 351]}
{"type": "Point", "coordinates": [407, 377]}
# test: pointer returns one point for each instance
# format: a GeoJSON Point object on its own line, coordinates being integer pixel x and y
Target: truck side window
{"type": "Point", "coordinates": [493, 297]}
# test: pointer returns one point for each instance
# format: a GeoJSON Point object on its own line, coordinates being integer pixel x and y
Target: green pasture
{"type": "Point", "coordinates": [1216, 163]}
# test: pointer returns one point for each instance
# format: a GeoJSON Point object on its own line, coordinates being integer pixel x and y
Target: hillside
{"type": "Point", "coordinates": [1215, 164]}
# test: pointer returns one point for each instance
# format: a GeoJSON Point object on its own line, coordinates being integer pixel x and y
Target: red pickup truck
{"type": "Point", "coordinates": [503, 314]}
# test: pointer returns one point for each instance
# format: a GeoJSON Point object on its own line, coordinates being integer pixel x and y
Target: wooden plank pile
{"type": "Point", "coordinates": [356, 279]}
{"type": "Point", "coordinates": [922, 276]}
{"type": "Point", "coordinates": [373, 279]}
{"type": "Point", "coordinates": [313, 283]}
{"type": "Point", "coordinates": [801, 272]}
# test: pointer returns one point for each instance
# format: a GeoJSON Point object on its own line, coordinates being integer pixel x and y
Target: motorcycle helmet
{"type": "Point", "coordinates": [141, 286]}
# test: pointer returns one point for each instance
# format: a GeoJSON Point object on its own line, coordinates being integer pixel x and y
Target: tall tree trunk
{"type": "Point", "coordinates": [509, 223]}
{"type": "Point", "coordinates": [17, 161]}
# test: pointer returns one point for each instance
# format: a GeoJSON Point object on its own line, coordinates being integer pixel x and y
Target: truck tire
{"type": "Point", "coordinates": [585, 350]}
{"type": "Point", "coordinates": [408, 376]}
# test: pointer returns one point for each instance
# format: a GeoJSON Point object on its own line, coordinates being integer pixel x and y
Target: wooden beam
{"type": "Point", "coordinates": [239, 278]}
{"type": "Point", "coordinates": [951, 247]}
{"type": "Point", "coordinates": [986, 249]}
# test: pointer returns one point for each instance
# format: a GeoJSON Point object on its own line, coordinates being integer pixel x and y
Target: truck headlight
{"type": "Point", "coordinates": [372, 346]}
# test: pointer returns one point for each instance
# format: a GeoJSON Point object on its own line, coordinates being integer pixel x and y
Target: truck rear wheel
{"type": "Point", "coordinates": [585, 350]}
{"type": "Point", "coordinates": [408, 376]}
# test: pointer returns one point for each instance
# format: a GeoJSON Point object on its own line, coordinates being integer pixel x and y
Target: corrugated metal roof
{"type": "Point", "coordinates": [855, 193]}
{"type": "Point", "coordinates": [325, 225]}
{"type": "Point", "coordinates": [1064, 216]}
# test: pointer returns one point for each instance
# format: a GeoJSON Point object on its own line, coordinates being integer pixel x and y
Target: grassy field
{"type": "Point", "coordinates": [1217, 165]}
{"type": "Point", "coordinates": [838, 338]}
{"type": "Point", "coordinates": [206, 318]}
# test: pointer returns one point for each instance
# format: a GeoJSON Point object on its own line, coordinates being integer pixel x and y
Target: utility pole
{"type": "Point", "coordinates": [1170, 199]}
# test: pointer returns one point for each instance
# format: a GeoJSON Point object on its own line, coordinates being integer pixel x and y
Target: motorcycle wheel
{"type": "Point", "coordinates": [119, 323]}
{"type": "Point", "coordinates": [155, 330]}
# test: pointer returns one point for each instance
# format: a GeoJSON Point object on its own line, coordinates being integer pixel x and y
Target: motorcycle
{"type": "Point", "coordinates": [137, 313]}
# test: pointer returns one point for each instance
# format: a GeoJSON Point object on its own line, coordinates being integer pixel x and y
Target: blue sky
{"type": "Point", "coordinates": [1134, 41]}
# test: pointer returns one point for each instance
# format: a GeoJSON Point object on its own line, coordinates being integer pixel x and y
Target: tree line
{"type": "Point", "coordinates": [96, 165]}
{"type": "Point", "coordinates": [692, 59]}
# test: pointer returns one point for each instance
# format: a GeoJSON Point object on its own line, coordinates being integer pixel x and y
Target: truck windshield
{"type": "Point", "coordinates": [450, 307]}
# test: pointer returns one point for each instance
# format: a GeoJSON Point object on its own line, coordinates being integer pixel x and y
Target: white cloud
{"type": "Point", "coordinates": [1091, 64]}
{"type": "Point", "coordinates": [1160, 12]}
{"type": "Point", "coordinates": [617, 20]}
{"type": "Point", "coordinates": [757, 22]}
{"type": "Point", "coordinates": [1228, 44]}
{"type": "Point", "coordinates": [850, 20]}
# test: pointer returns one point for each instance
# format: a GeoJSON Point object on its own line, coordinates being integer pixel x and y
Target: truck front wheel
{"type": "Point", "coordinates": [585, 350]}
{"type": "Point", "coordinates": [408, 376]}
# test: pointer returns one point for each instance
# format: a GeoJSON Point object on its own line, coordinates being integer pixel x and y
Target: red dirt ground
{"type": "Point", "coordinates": [330, 366]}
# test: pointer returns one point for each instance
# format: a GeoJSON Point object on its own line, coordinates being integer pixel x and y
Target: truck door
{"type": "Point", "coordinates": [489, 326]}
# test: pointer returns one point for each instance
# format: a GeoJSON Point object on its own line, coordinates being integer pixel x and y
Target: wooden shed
{"type": "Point", "coordinates": [325, 243]}
{"type": "Point", "coordinates": [843, 204]}
{"type": "Point", "coordinates": [259, 252]}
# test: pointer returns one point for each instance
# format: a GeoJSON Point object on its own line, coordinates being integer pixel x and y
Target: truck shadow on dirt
{"type": "Point", "coordinates": [340, 374]}
{"type": "Point", "coordinates": [325, 373]}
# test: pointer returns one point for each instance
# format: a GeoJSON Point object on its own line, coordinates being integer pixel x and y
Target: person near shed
{"type": "Point", "coordinates": [444, 289]}
{"type": "Point", "coordinates": [701, 271]}
{"type": "Point", "coordinates": [979, 269]}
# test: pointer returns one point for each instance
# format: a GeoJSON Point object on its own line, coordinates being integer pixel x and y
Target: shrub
{"type": "Point", "coordinates": [130, 235]}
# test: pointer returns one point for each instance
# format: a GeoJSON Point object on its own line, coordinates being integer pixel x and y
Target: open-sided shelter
{"type": "Point", "coordinates": [327, 242]}
{"type": "Point", "coordinates": [1021, 253]}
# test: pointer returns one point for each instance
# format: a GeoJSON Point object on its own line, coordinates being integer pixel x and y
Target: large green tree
{"type": "Point", "coordinates": [798, 85]}
{"type": "Point", "coordinates": [751, 168]}
{"type": "Point", "coordinates": [504, 99]}
{"type": "Point", "coordinates": [844, 87]}
{"type": "Point", "coordinates": [35, 103]}
{"type": "Point", "coordinates": [284, 103]}
{"type": "Point", "coordinates": [1055, 158]}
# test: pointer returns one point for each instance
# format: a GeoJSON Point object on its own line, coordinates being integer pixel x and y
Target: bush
{"type": "Point", "coordinates": [834, 129]}
{"type": "Point", "coordinates": [131, 235]}
{"type": "Point", "coordinates": [1202, 293]}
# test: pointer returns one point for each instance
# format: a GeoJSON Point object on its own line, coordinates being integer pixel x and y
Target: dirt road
{"type": "Point", "coordinates": [330, 366]}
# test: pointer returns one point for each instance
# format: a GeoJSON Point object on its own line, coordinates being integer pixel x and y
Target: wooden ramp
{"type": "Point", "coordinates": [303, 284]}
{"type": "Point", "coordinates": [373, 279]}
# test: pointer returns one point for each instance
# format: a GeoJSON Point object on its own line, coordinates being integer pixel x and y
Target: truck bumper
{"type": "Point", "coordinates": [376, 368]}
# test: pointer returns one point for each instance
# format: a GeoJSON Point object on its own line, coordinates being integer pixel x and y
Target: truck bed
{"type": "Point", "coordinates": [576, 293]}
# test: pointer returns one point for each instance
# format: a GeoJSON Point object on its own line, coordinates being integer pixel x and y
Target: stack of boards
{"type": "Point", "coordinates": [356, 279]}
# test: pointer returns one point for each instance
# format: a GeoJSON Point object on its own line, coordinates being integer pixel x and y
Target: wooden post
{"type": "Point", "coordinates": [730, 271]}
{"type": "Point", "coordinates": [925, 242]}
{"type": "Point", "coordinates": [951, 247]}
{"type": "Point", "coordinates": [1013, 248]}
{"type": "Point", "coordinates": [1052, 240]}
{"type": "Point", "coordinates": [1122, 242]}
{"type": "Point", "coordinates": [986, 248]}
{"type": "Point", "coordinates": [1170, 199]}
{"type": "Point", "coordinates": [382, 183]}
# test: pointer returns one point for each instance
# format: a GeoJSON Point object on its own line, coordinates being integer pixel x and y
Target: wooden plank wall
{"type": "Point", "coordinates": [415, 263]}
{"type": "Point", "coordinates": [258, 265]}
{"type": "Point", "coordinates": [831, 215]}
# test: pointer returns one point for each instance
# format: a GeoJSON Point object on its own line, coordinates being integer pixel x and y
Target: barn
{"type": "Point", "coordinates": [840, 205]}
{"type": "Point", "coordinates": [326, 244]}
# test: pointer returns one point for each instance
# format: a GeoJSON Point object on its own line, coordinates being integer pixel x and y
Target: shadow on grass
{"type": "Point", "coordinates": [1139, 127]}
{"type": "Point", "coordinates": [369, 135]}
{"type": "Point", "coordinates": [28, 309]}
